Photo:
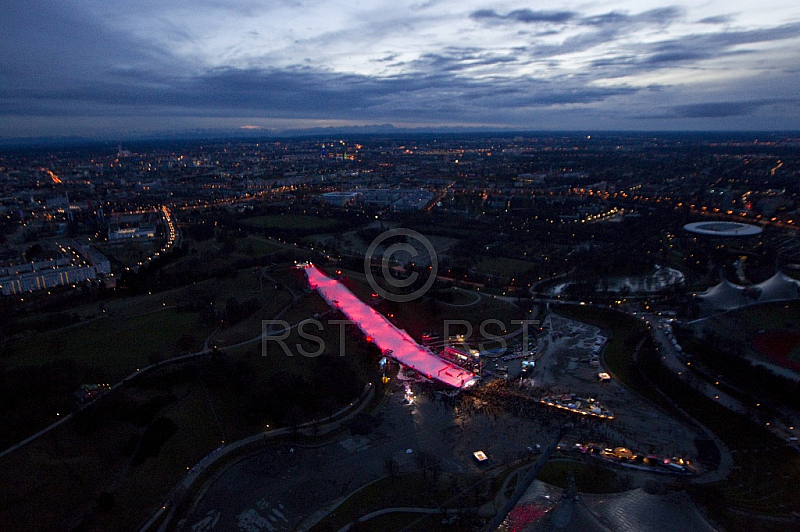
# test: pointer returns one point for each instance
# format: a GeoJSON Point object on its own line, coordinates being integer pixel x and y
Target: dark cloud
{"type": "Point", "coordinates": [711, 41]}
{"type": "Point", "coordinates": [62, 61]}
{"type": "Point", "coordinates": [45, 42]}
{"type": "Point", "coordinates": [440, 94]}
{"type": "Point", "coordinates": [594, 30]}
{"type": "Point", "coordinates": [744, 108]}
{"type": "Point", "coordinates": [612, 18]}
{"type": "Point", "coordinates": [660, 16]}
{"type": "Point", "coordinates": [482, 14]}
{"type": "Point", "coordinates": [673, 57]}
{"type": "Point", "coordinates": [664, 15]}
{"type": "Point", "coordinates": [717, 109]}
{"type": "Point", "coordinates": [456, 59]}
{"type": "Point", "coordinates": [719, 19]}
{"type": "Point", "coordinates": [526, 16]}
{"type": "Point", "coordinates": [689, 49]}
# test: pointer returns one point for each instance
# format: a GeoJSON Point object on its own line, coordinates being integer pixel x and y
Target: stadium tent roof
{"type": "Point", "coordinates": [725, 296]}
{"type": "Point", "coordinates": [546, 508]}
{"type": "Point", "coordinates": [724, 229]}
{"type": "Point", "coordinates": [778, 287]}
{"type": "Point", "coordinates": [384, 334]}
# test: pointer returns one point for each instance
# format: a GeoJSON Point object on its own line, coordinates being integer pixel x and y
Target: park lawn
{"type": "Point", "coordinates": [425, 315]}
{"type": "Point", "coordinates": [359, 356]}
{"type": "Point", "coordinates": [460, 296]}
{"type": "Point", "coordinates": [766, 482]}
{"type": "Point", "coordinates": [243, 284]}
{"type": "Point", "coordinates": [503, 266]}
{"type": "Point", "coordinates": [147, 485]}
{"type": "Point", "coordinates": [763, 481]}
{"type": "Point", "coordinates": [50, 480]}
{"type": "Point", "coordinates": [114, 346]}
{"type": "Point", "coordinates": [130, 306]}
{"type": "Point", "coordinates": [768, 316]}
{"type": "Point", "coordinates": [301, 222]}
{"type": "Point", "coordinates": [257, 246]}
{"type": "Point", "coordinates": [305, 307]}
{"type": "Point", "coordinates": [589, 478]}
{"type": "Point", "coordinates": [794, 354]}
{"type": "Point", "coordinates": [208, 245]}
{"type": "Point", "coordinates": [251, 327]}
{"type": "Point", "coordinates": [206, 415]}
{"type": "Point", "coordinates": [131, 251]}
{"type": "Point", "coordinates": [60, 475]}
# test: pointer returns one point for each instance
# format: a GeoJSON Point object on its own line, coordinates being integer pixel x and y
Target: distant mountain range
{"type": "Point", "coordinates": [243, 132]}
{"type": "Point", "coordinates": [255, 132]}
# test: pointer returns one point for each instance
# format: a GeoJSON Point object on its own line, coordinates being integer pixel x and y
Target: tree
{"type": "Point", "coordinates": [186, 342]}
{"type": "Point", "coordinates": [392, 467]}
{"type": "Point", "coordinates": [105, 501]}
{"type": "Point", "coordinates": [156, 357]}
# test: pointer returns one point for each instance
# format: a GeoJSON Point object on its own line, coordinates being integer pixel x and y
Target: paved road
{"type": "Point", "coordinates": [669, 356]}
{"type": "Point", "coordinates": [298, 483]}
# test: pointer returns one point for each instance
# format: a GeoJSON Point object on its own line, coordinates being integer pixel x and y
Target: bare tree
{"type": "Point", "coordinates": [392, 467]}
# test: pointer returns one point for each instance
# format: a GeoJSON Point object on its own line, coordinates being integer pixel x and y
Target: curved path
{"type": "Point", "coordinates": [315, 427]}
{"type": "Point", "coordinates": [149, 367]}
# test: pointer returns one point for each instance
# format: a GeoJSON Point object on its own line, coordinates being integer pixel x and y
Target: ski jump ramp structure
{"type": "Point", "coordinates": [394, 343]}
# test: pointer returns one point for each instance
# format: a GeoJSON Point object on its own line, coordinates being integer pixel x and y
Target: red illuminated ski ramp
{"type": "Point", "coordinates": [384, 334]}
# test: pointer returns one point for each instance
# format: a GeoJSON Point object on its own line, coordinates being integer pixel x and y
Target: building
{"type": "Point", "coordinates": [44, 279]}
{"type": "Point", "coordinates": [340, 199]}
{"type": "Point", "coordinates": [128, 233]}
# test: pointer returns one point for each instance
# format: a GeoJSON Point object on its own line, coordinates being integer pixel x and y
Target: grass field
{"type": "Point", "coordinates": [747, 321]}
{"type": "Point", "coordinates": [255, 246]}
{"type": "Point", "coordinates": [762, 329]}
{"type": "Point", "coordinates": [290, 221]}
{"type": "Point", "coordinates": [588, 478]}
{"type": "Point", "coordinates": [114, 345]}
{"type": "Point", "coordinates": [455, 296]}
{"type": "Point", "coordinates": [251, 327]}
{"type": "Point", "coordinates": [57, 478]}
{"type": "Point", "coordinates": [502, 266]}
{"type": "Point", "coordinates": [122, 339]}
{"type": "Point", "coordinates": [61, 475]}
{"type": "Point", "coordinates": [427, 315]}
{"type": "Point", "coordinates": [130, 252]}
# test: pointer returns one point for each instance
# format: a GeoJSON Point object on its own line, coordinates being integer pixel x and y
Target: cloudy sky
{"type": "Point", "coordinates": [119, 68]}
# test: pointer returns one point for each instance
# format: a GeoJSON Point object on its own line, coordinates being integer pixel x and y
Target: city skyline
{"type": "Point", "coordinates": [116, 70]}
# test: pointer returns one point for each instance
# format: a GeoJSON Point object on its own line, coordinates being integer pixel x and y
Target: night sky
{"type": "Point", "coordinates": [113, 68]}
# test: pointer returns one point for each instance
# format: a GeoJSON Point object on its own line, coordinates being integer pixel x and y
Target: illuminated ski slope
{"type": "Point", "coordinates": [384, 334]}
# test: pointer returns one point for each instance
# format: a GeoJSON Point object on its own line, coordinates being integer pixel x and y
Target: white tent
{"type": "Point", "coordinates": [724, 296]}
{"type": "Point", "coordinates": [779, 286]}
{"type": "Point", "coordinates": [727, 296]}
